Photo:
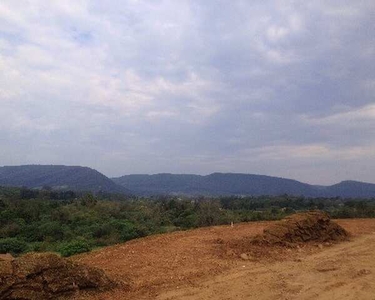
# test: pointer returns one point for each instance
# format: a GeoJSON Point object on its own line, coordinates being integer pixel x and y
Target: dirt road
{"type": "Point", "coordinates": [192, 265]}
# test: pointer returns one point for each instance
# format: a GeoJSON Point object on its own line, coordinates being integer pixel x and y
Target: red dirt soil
{"type": "Point", "coordinates": [195, 264]}
{"type": "Point", "coordinates": [37, 276]}
{"type": "Point", "coordinates": [312, 226]}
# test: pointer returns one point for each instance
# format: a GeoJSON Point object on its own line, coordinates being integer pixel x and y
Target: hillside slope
{"type": "Point", "coordinates": [213, 184]}
{"type": "Point", "coordinates": [238, 184]}
{"type": "Point", "coordinates": [351, 189]}
{"type": "Point", "coordinates": [191, 265]}
{"type": "Point", "coordinates": [58, 177]}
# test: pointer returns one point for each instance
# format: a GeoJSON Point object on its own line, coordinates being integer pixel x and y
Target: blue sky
{"type": "Point", "coordinates": [282, 88]}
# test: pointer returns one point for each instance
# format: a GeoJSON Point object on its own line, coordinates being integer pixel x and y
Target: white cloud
{"type": "Point", "coordinates": [202, 84]}
{"type": "Point", "coordinates": [352, 117]}
{"type": "Point", "coordinates": [276, 33]}
{"type": "Point", "coordinates": [323, 152]}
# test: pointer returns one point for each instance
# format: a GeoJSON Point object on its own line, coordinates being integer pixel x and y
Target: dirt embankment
{"type": "Point", "coordinates": [302, 230]}
{"type": "Point", "coordinates": [192, 265]}
{"type": "Point", "coordinates": [313, 226]}
{"type": "Point", "coordinates": [47, 276]}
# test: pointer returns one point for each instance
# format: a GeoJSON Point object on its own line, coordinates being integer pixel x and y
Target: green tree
{"type": "Point", "coordinates": [74, 247]}
{"type": "Point", "coordinates": [12, 245]}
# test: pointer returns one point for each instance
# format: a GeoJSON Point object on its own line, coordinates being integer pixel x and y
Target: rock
{"type": "Point", "coordinates": [244, 256]}
{"type": "Point", "coordinates": [363, 272]}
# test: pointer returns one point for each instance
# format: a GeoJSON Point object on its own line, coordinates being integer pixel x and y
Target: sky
{"type": "Point", "coordinates": [281, 88]}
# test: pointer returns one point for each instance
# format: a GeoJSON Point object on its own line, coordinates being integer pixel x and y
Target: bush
{"type": "Point", "coordinates": [126, 229]}
{"type": "Point", "coordinates": [12, 245]}
{"type": "Point", "coordinates": [187, 220]}
{"type": "Point", "coordinates": [74, 247]}
{"type": "Point", "coordinates": [209, 213]}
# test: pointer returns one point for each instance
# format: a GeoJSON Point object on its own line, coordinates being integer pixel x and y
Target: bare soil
{"type": "Point", "coordinates": [201, 264]}
{"type": "Point", "coordinates": [39, 276]}
{"type": "Point", "coordinates": [301, 228]}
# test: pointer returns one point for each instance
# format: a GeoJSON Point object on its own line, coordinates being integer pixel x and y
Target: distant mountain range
{"type": "Point", "coordinates": [78, 178]}
{"type": "Point", "coordinates": [239, 184]}
{"type": "Point", "coordinates": [59, 177]}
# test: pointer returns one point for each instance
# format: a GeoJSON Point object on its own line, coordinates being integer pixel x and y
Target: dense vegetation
{"type": "Point", "coordinates": [69, 222]}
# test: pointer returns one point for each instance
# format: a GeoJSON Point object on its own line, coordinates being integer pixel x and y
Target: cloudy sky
{"type": "Point", "coordinates": [283, 88]}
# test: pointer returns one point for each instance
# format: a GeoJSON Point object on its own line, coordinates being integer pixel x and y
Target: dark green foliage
{"type": "Point", "coordinates": [28, 194]}
{"type": "Point", "coordinates": [209, 213]}
{"type": "Point", "coordinates": [74, 223]}
{"type": "Point", "coordinates": [74, 247]}
{"type": "Point", "coordinates": [12, 245]}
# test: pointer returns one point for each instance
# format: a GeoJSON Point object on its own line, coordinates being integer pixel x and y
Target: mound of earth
{"type": "Point", "coordinates": [38, 276]}
{"type": "Point", "coordinates": [299, 228]}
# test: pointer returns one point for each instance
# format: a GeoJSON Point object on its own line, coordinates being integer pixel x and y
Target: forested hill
{"type": "Point", "coordinates": [78, 178]}
{"type": "Point", "coordinates": [239, 184]}
{"type": "Point", "coordinates": [59, 177]}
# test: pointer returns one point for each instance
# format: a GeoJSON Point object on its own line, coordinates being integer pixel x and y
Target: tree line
{"type": "Point", "coordinates": [69, 222]}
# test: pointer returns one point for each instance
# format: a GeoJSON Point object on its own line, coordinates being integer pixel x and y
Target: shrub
{"type": "Point", "coordinates": [74, 247]}
{"type": "Point", "coordinates": [12, 245]}
{"type": "Point", "coordinates": [126, 229]}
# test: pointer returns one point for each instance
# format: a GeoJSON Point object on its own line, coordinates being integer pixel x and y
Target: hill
{"type": "Point", "coordinates": [217, 184]}
{"type": "Point", "coordinates": [352, 189]}
{"type": "Point", "coordinates": [59, 177]}
{"type": "Point", "coordinates": [78, 178]}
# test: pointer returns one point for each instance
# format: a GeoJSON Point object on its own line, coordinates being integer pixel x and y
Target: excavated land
{"type": "Point", "coordinates": [39, 276]}
{"type": "Point", "coordinates": [201, 264]}
{"type": "Point", "coordinates": [295, 231]}
{"type": "Point", "coordinates": [209, 263]}
{"type": "Point", "coordinates": [313, 226]}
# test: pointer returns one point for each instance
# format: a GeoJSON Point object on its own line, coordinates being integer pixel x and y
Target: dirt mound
{"type": "Point", "coordinates": [47, 276]}
{"type": "Point", "coordinates": [301, 228]}
{"type": "Point", "coordinates": [205, 263]}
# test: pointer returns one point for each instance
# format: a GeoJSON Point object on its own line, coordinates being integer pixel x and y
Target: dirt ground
{"type": "Point", "coordinates": [196, 264]}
